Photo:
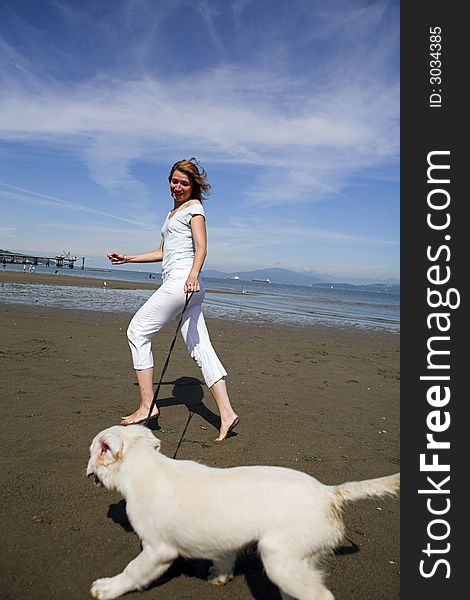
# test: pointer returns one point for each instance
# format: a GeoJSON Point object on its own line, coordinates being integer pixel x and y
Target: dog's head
{"type": "Point", "coordinates": [110, 447]}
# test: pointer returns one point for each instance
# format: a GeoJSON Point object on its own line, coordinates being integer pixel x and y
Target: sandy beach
{"type": "Point", "coordinates": [323, 400]}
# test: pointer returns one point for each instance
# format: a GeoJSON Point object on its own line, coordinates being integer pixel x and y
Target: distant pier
{"type": "Point", "coordinates": [13, 258]}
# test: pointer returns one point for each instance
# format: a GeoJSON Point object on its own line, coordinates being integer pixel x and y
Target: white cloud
{"type": "Point", "coordinates": [239, 232]}
{"type": "Point", "coordinates": [228, 114]}
{"type": "Point", "coordinates": [30, 197]}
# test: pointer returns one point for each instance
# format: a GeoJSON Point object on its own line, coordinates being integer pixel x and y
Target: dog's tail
{"type": "Point", "coordinates": [358, 490]}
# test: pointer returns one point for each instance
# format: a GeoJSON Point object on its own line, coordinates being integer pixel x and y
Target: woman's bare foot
{"type": "Point", "coordinates": [226, 427]}
{"type": "Point", "coordinates": [139, 416]}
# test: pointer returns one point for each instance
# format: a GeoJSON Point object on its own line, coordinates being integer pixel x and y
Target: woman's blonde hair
{"type": "Point", "coordinates": [196, 174]}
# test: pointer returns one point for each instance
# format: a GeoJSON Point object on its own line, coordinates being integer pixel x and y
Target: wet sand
{"type": "Point", "coordinates": [321, 400]}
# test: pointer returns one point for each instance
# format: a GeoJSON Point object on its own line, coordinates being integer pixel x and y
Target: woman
{"type": "Point", "coordinates": [182, 252]}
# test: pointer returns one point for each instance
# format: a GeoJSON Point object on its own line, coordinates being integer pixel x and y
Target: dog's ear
{"type": "Point", "coordinates": [110, 449]}
{"type": "Point", "coordinates": [157, 444]}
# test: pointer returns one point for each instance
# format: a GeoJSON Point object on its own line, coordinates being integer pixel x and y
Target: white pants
{"type": "Point", "coordinates": [163, 306]}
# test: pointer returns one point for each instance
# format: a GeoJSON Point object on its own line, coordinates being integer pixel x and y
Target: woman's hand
{"type": "Point", "coordinates": [117, 258]}
{"type": "Point", "coordinates": [192, 284]}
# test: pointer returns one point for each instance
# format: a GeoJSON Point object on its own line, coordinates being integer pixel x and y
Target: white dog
{"type": "Point", "coordinates": [183, 508]}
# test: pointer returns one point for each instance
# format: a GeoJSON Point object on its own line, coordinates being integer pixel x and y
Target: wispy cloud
{"type": "Point", "coordinates": [112, 124]}
{"type": "Point", "coordinates": [325, 129]}
{"type": "Point", "coordinates": [30, 197]}
{"type": "Point", "coordinates": [8, 233]}
{"type": "Point", "coordinates": [239, 229]}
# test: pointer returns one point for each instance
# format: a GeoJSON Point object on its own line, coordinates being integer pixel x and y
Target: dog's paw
{"type": "Point", "coordinates": [105, 589]}
{"type": "Point", "coordinates": [217, 578]}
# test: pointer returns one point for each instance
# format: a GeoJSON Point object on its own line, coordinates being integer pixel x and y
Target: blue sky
{"type": "Point", "coordinates": [291, 107]}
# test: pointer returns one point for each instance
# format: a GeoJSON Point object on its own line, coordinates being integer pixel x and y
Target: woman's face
{"type": "Point", "coordinates": [180, 186]}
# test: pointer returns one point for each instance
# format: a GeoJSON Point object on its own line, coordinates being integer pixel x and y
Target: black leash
{"type": "Point", "coordinates": [154, 401]}
{"type": "Point", "coordinates": [183, 434]}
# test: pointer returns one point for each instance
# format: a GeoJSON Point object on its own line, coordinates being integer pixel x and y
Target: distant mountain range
{"type": "Point", "coordinates": [286, 276]}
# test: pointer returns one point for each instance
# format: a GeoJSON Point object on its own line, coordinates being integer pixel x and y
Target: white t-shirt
{"type": "Point", "coordinates": [178, 243]}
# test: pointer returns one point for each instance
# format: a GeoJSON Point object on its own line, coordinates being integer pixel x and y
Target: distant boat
{"type": "Point", "coordinates": [97, 269]}
{"type": "Point", "coordinates": [235, 277]}
{"type": "Point", "coordinates": [262, 280]}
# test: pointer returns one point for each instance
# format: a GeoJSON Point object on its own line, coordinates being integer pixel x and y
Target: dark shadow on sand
{"type": "Point", "coordinates": [352, 548]}
{"type": "Point", "coordinates": [187, 391]}
{"type": "Point", "coordinates": [117, 512]}
{"type": "Point", "coordinates": [248, 565]}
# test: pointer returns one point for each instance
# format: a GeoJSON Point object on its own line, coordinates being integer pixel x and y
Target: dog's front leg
{"type": "Point", "coordinates": [149, 565]}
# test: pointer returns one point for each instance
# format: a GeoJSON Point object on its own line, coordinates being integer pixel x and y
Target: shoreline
{"type": "Point", "coordinates": [94, 282]}
{"type": "Point", "coordinates": [61, 279]}
{"type": "Point", "coordinates": [254, 316]}
{"type": "Point", "coordinates": [317, 399]}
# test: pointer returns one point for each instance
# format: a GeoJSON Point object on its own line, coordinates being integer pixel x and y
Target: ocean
{"type": "Point", "coordinates": [247, 301]}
